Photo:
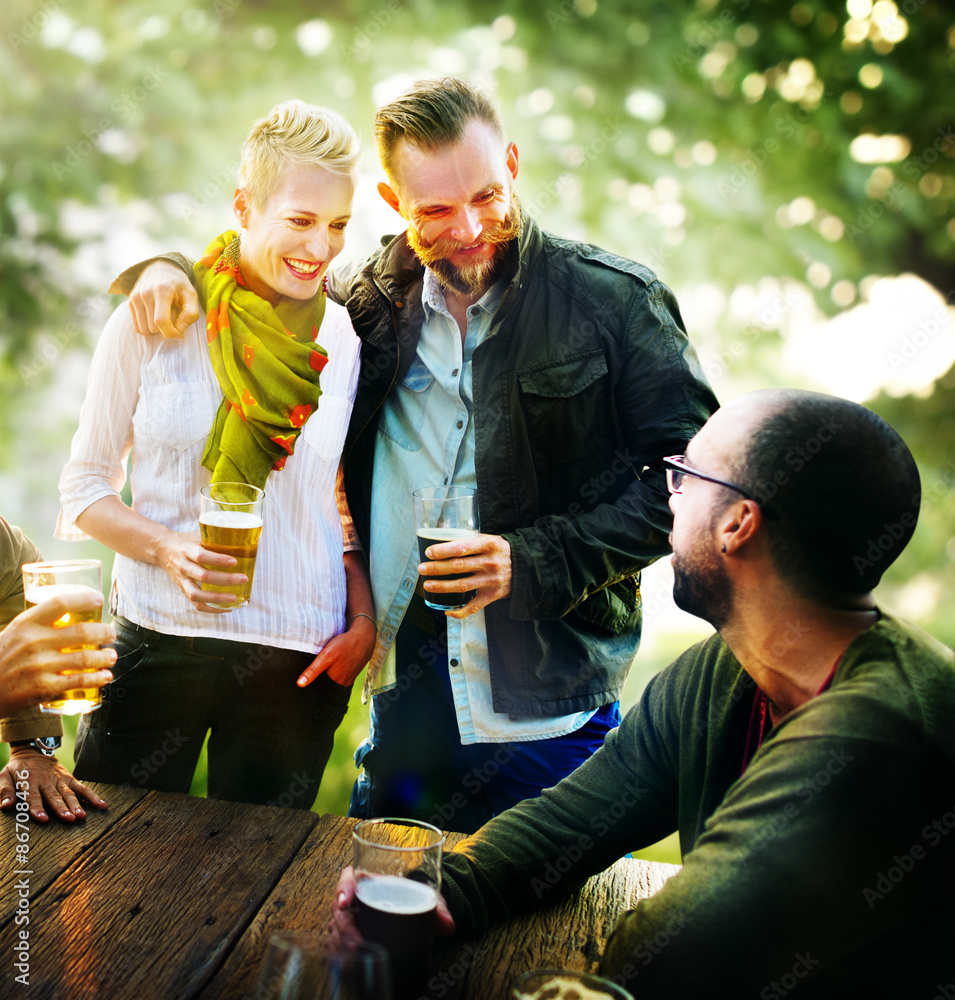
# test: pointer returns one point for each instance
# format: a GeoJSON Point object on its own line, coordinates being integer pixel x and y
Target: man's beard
{"type": "Point", "coordinates": [474, 277]}
{"type": "Point", "coordinates": [701, 587]}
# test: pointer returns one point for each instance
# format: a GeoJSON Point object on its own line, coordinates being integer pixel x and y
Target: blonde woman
{"type": "Point", "coordinates": [237, 398]}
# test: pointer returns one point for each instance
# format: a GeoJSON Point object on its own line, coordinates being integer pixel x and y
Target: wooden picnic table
{"type": "Point", "coordinates": [174, 897]}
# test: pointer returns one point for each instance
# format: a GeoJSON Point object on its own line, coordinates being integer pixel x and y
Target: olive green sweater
{"type": "Point", "coordinates": [830, 864]}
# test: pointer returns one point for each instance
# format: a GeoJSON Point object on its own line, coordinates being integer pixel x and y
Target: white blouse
{"type": "Point", "coordinates": [154, 400]}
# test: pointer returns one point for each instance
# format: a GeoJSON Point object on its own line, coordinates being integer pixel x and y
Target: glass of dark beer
{"type": "Point", "coordinates": [230, 521]}
{"type": "Point", "coordinates": [398, 880]}
{"type": "Point", "coordinates": [64, 578]}
{"type": "Point", "coordinates": [445, 514]}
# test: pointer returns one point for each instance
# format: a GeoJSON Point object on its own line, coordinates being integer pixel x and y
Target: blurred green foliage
{"type": "Point", "coordinates": [780, 154]}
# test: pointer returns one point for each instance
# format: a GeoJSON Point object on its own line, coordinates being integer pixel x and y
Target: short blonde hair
{"type": "Point", "coordinates": [295, 132]}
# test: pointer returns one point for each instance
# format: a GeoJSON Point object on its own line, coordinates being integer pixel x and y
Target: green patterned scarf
{"type": "Point", "coordinates": [267, 363]}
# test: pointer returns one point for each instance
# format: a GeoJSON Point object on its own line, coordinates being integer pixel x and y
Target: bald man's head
{"type": "Point", "coordinates": [840, 488]}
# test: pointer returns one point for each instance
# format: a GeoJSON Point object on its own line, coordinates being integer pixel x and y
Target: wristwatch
{"type": "Point", "coordinates": [47, 745]}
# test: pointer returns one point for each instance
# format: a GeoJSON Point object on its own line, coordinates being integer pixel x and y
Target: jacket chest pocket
{"type": "Point", "coordinates": [566, 406]}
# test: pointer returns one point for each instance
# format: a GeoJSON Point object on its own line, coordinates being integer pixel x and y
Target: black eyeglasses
{"type": "Point", "coordinates": [677, 468]}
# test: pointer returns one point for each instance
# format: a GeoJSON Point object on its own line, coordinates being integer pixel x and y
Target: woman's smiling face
{"type": "Point", "coordinates": [289, 241]}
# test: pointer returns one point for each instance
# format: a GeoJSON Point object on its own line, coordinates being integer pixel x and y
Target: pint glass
{"type": "Point", "coordinates": [398, 879]}
{"type": "Point", "coordinates": [445, 514]}
{"type": "Point", "coordinates": [43, 580]}
{"type": "Point", "coordinates": [230, 521]}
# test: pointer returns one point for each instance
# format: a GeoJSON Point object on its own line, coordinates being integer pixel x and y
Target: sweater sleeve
{"type": "Point", "coordinates": [623, 798]}
{"type": "Point", "coordinates": [123, 283]}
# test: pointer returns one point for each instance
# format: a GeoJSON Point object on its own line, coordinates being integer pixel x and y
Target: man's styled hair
{"type": "Point", "coordinates": [430, 115]}
{"type": "Point", "coordinates": [295, 132]}
{"type": "Point", "coordinates": [841, 490]}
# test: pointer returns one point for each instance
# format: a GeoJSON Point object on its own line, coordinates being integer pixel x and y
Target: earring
{"type": "Point", "coordinates": [229, 258]}
{"type": "Point", "coordinates": [723, 549]}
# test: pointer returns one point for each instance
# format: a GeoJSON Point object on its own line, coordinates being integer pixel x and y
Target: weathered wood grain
{"type": "Point", "coordinates": [154, 906]}
{"type": "Point", "coordinates": [569, 934]}
{"type": "Point", "coordinates": [53, 846]}
{"type": "Point", "coordinates": [302, 900]}
{"type": "Point", "coordinates": [168, 896]}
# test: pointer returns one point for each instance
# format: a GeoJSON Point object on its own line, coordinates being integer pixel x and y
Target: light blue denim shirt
{"type": "Point", "coordinates": [426, 438]}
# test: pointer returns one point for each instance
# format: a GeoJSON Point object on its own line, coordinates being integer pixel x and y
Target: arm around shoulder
{"type": "Point", "coordinates": [162, 295]}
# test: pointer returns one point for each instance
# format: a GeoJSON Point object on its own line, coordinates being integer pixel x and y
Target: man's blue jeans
{"type": "Point", "coordinates": [269, 740]}
{"type": "Point", "coordinates": [413, 763]}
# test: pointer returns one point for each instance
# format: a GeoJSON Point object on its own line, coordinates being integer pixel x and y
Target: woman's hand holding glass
{"type": "Point", "coordinates": [183, 557]}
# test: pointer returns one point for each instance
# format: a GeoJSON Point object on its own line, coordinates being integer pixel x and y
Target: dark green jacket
{"type": "Point", "coordinates": [585, 379]}
{"type": "Point", "coordinates": [830, 864]}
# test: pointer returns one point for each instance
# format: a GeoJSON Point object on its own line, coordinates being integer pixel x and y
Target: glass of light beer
{"type": "Point", "coordinates": [445, 514]}
{"type": "Point", "coordinates": [558, 984]}
{"type": "Point", "coordinates": [43, 580]}
{"type": "Point", "coordinates": [230, 521]}
{"type": "Point", "coordinates": [397, 866]}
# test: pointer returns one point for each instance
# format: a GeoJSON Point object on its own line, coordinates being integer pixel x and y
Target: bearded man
{"type": "Point", "coordinates": [554, 377]}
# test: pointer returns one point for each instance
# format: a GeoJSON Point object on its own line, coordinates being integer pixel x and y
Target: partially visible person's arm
{"type": "Point", "coordinates": [32, 665]}
{"type": "Point", "coordinates": [623, 798]}
{"type": "Point", "coordinates": [162, 295]}
{"type": "Point", "coordinates": [32, 669]}
{"type": "Point", "coordinates": [15, 550]}
{"type": "Point", "coordinates": [48, 787]}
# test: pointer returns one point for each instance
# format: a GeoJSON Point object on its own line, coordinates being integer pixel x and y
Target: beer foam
{"type": "Point", "coordinates": [393, 894]}
{"type": "Point", "coordinates": [446, 534]}
{"type": "Point", "coordinates": [231, 519]}
{"type": "Point", "coordinates": [37, 594]}
{"type": "Point", "coordinates": [564, 988]}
